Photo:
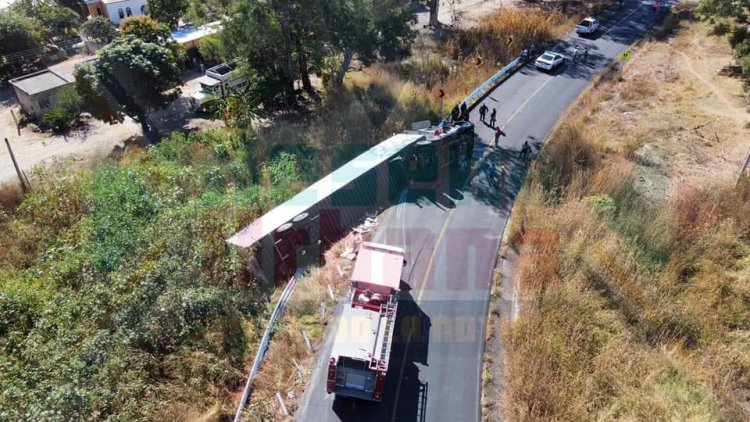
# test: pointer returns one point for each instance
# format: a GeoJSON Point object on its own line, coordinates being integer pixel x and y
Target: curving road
{"type": "Point", "coordinates": [452, 237]}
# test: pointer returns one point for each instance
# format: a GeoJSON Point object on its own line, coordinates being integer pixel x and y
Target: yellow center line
{"type": "Point", "coordinates": [450, 214]}
{"type": "Point", "coordinates": [518, 110]}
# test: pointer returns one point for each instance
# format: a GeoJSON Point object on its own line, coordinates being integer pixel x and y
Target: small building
{"type": "Point", "coordinates": [117, 10]}
{"type": "Point", "coordinates": [37, 92]}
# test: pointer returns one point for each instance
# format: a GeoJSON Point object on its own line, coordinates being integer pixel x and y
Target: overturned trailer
{"type": "Point", "coordinates": [295, 232]}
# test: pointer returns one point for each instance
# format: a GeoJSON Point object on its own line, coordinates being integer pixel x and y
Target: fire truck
{"type": "Point", "coordinates": [362, 346]}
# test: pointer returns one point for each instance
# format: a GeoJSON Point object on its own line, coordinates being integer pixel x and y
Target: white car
{"type": "Point", "coordinates": [549, 60]}
{"type": "Point", "coordinates": [588, 26]}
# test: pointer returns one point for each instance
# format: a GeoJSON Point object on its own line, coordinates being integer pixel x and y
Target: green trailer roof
{"type": "Point", "coordinates": [322, 189]}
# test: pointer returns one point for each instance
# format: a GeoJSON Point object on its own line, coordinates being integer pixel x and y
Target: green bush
{"type": "Point", "coordinates": [127, 291]}
{"type": "Point", "coordinates": [64, 114]}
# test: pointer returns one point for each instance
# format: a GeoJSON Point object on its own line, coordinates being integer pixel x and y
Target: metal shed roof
{"type": "Point", "coordinates": [42, 81]}
{"type": "Point", "coordinates": [322, 189]}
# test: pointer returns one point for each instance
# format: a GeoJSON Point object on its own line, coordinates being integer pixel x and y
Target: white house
{"type": "Point", "coordinates": [117, 10]}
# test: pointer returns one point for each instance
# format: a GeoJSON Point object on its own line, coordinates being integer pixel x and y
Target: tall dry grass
{"type": "Point", "coordinates": [500, 37]}
{"type": "Point", "coordinates": [633, 310]}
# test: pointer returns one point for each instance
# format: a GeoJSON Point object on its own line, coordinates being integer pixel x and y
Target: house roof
{"type": "Point", "coordinates": [38, 82]}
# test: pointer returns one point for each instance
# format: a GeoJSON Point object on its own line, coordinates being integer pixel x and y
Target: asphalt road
{"type": "Point", "coordinates": [452, 235]}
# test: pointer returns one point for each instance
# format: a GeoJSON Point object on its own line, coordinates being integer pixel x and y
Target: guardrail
{"type": "Point", "coordinates": [492, 82]}
{"type": "Point", "coordinates": [472, 99]}
{"type": "Point", "coordinates": [275, 315]}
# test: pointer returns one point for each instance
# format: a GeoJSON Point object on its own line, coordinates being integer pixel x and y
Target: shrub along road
{"type": "Point", "coordinates": [452, 235]}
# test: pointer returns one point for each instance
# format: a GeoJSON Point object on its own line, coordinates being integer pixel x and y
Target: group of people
{"type": "Point", "coordinates": [583, 53]}
{"type": "Point", "coordinates": [459, 113]}
{"type": "Point", "coordinates": [528, 53]}
{"type": "Point", "coordinates": [483, 109]}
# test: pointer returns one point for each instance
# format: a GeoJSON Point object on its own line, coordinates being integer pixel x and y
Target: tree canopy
{"type": "Point", "coordinates": [99, 29]}
{"type": "Point", "coordinates": [19, 38]}
{"type": "Point", "coordinates": [145, 29]}
{"type": "Point", "coordinates": [303, 35]}
{"type": "Point", "coordinates": [168, 11]}
{"type": "Point", "coordinates": [53, 20]}
{"type": "Point", "coordinates": [131, 77]}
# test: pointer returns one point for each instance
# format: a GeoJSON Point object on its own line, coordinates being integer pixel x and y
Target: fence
{"type": "Point", "coordinates": [492, 82]}
{"type": "Point", "coordinates": [275, 315]}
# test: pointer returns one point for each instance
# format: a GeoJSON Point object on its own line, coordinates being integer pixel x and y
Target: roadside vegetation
{"type": "Point", "coordinates": [27, 27]}
{"type": "Point", "coordinates": [118, 295]}
{"type": "Point", "coordinates": [634, 246]}
{"type": "Point", "coordinates": [731, 17]}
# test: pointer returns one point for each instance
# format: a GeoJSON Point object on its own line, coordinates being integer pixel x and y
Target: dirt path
{"type": "Point", "coordinates": [466, 12]}
{"type": "Point", "coordinates": [83, 146]}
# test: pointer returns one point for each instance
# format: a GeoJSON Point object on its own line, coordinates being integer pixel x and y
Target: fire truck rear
{"type": "Point", "coordinates": [362, 347]}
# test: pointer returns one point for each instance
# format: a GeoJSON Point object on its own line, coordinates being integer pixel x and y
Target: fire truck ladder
{"type": "Point", "coordinates": [388, 311]}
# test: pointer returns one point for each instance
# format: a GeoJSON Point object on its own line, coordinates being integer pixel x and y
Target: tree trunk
{"type": "Point", "coordinates": [144, 124]}
{"type": "Point", "coordinates": [434, 10]}
{"type": "Point", "coordinates": [348, 56]}
{"type": "Point", "coordinates": [304, 73]}
{"type": "Point", "coordinates": [289, 65]}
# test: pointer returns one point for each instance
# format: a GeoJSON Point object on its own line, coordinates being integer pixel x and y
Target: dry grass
{"type": "Point", "coordinates": [637, 303]}
{"type": "Point", "coordinates": [288, 363]}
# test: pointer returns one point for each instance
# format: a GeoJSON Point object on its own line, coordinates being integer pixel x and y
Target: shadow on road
{"type": "Point", "coordinates": [404, 397]}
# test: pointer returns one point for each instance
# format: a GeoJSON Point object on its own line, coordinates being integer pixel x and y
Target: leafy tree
{"type": "Point", "coordinates": [145, 29]}
{"type": "Point", "coordinates": [265, 55]}
{"type": "Point", "coordinates": [54, 20]}
{"type": "Point", "coordinates": [239, 108]}
{"type": "Point", "coordinates": [725, 8]}
{"type": "Point", "coordinates": [74, 5]}
{"type": "Point", "coordinates": [168, 11]}
{"type": "Point", "coordinates": [365, 29]}
{"type": "Point", "coordinates": [211, 49]}
{"type": "Point", "coordinates": [135, 74]}
{"type": "Point", "coordinates": [99, 30]}
{"type": "Point", "coordinates": [18, 36]}
{"type": "Point", "coordinates": [197, 12]}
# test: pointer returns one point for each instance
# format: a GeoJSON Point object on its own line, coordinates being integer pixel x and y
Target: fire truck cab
{"type": "Point", "coordinates": [362, 346]}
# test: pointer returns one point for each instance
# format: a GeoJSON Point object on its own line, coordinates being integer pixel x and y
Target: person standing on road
{"type": "Point", "coordinates": [576, 52]}
{"type": "Point", "coordinates": [525, 151]}
{"type": "Point", "coordinates": [493, 117]}
{"type": "Point", "coordinates": [483, 112]}
{"type": "Point", "coordinates": [464, 114]}
{"type": "Point", "coordinates": [585, 55]}
{"type": "Point", "coordinates": [491, 174]}
{"type": "Point", "coordinates": [498, 133]}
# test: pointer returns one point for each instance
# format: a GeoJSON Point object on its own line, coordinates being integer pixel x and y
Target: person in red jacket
{"type": "Point", "coordinates": [498, 133]}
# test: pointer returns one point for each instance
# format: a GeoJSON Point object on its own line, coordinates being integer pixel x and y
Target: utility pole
{"type": "Point", "coordinates": [18, 127]}
{"type": "Point", "coordinates": [21, 177]}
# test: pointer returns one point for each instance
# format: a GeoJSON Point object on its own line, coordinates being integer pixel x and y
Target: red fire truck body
{"type": "Point", "coordinates": [362, 347]}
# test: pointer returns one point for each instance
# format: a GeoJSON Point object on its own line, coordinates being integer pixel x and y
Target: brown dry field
{"type": "Point", "coordinates": [672, 117]}
{"type": "Point", "coordinates": [682, 121]}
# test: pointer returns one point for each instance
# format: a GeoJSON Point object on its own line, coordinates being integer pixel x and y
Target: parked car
{"type": "Point", "coordinates": [549, 61]}
{"type": "Point", "coordinates": [587, 27]}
